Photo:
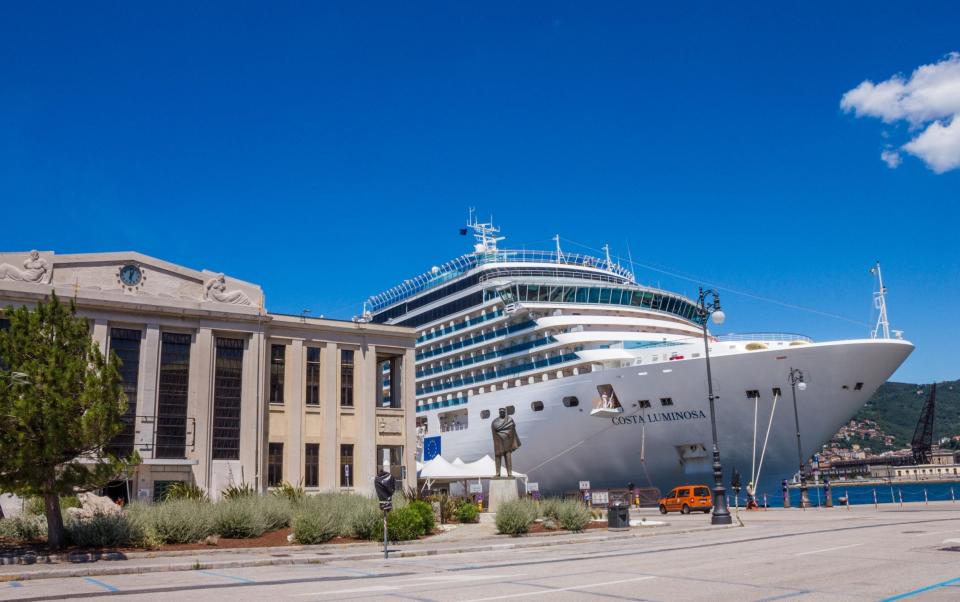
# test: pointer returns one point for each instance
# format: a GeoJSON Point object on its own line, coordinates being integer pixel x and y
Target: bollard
{"type": "Point", "coordinates": [765, 501]}
{"type": "Point", "coordinates": [900, 493]}
{"type": "Point", "coordinates": [786, 494]}
{"type": "Point", "coordinates": [893, 500]}
{"type": "Point", "coordinates": [876, 505]}
{"type": "Point", "coordinates": [952, 499]}
{"type": "Point", "coordinates": [846, 493]}
{"type": "Point", "coordinates": [827, 493]}
{"type": "Point", "coordinates": [925, 500]}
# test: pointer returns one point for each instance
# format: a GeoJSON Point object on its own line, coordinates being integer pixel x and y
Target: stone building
{"type": "Point", "coordinates": [222, 392]}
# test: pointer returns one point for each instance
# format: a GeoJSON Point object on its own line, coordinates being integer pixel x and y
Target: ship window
{"type": "Point", "coordinates": [644, 403]}
{"type": "Point", "coordinates": [753, 394]}
{"type": "Point", "coordinates": [857, 386]}
{"type": "Point", "coordinates": [510, 410]}
{"type": "Point", "coordinates": [484, 414]}
{"type": "Point", "coordinates": [571, 402]}
{"type": "Point", "coordinates": [537, 406]}
{"type": "Point", "coordinates": [666, 401]}
{"type": "Point", "coordinates": [777, 392]}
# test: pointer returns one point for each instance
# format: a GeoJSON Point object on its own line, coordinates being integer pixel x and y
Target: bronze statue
{"type": "Point", "coordinates": [505, 440]}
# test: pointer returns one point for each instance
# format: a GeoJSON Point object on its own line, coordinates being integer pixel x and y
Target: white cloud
{"type": "Point", "coordinates": [938, 145]}
{"type": "Point", "coordinates": [891, 158]}
{"type": "Point", "coordinates": [929, 100]}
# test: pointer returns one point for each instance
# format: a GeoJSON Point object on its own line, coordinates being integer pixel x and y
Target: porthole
{"type": "Point", "coordinates": [484, 414]}
{"type": "Point", "coordinates": [644, 403]}
{"type": "Point", "coordinates": [510, 410]}
{"type": "Point", "coordinates": [666, 401]}
{"type": "Point", "coordinates": [571, 402]}
{"type": "Point", "coordinates": [537, 406]}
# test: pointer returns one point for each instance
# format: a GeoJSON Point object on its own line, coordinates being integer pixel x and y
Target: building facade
{"type": "Point", "coordinates": [220, 391]}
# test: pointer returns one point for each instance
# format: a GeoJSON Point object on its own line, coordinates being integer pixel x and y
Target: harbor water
{"type": "Point", "coordinates": [885, 493]}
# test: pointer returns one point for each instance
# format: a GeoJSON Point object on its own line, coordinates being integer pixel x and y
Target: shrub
{"type": "Point", "coordinates": [550, 508]}
{"type": "Point", "coordinates": [176, 521]}
{"type": "Point", "coordinates": [468, 513]}
{"type": "Point", "coordinates": [237, 491]}
{"type": "Point", "coordinates": [574, 516]}
{"type": "Point", "coordinates": [515, 518]}
{"type": "Point", "coordinates": [367, 521]}
{"type": "Point", "coordinates": [239, 519]}
{"type": "Point", "coordinates": [25, 527]}
{"type": "Point", "coordinates": [312, 527]}
{"type": "Point", "coordinates": [289, 491]}
{"type": "Point", "coordinates": [402, 524]}
{"type": "Point", "coordinates": [181, 490]}
{"type": "Point", "coordinates": [104, 531]}
{"type": "Point", "coordinates": [425, 511]}
{"type": "Point", "coordinates": [276, 511]}
{"type": "Point", "coordinates": [33, 506]}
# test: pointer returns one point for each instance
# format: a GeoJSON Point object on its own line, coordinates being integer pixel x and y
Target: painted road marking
{"type": "Point", "coordinates": [461, 578]}
{"type": "Point", "coordinates": [563, 589]}
{"type": "Point", "coordinates": [16, 584]}
{"type": "Point", "coordinates": [853, 545]}
{"type": "Point", "coordinates": [105, 586]}
{"type": "Point", "coordinates": [922, 590]}
{"type": "Point", "coordinates": [234, 577]}
{"type": "Point", "coordinates": [356, 590]}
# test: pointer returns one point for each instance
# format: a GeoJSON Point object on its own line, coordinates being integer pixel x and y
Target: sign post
{"type": "Point", "coordinates": [385, 485]}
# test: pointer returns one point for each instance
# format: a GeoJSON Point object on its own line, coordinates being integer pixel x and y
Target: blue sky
{"type": "Point", "coordinates": [328, 151]}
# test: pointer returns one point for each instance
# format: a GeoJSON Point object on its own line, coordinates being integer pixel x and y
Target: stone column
{"type": "Point", "coordinates": [200, 406]}
{"type": "Point", "coordinates": [409, 400]}
{"type": "Point", "coordinates": [147, 378]}
{"type": "Point", "coordinates": [101, 331]}
{"type": "Point", "coordinates": [293, 393]}
{"type": "Point", "coordinates": [364, 400]}
{"type": "Point", "coordinates": [249, 463]}
{"type": "Point", "coordinates": [329, 402]}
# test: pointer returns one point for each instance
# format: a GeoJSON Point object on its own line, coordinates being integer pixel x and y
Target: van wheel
{"type": "Point", "coordinates": [707, 510]}
{"type": "Point", "coordinates": [685, 509]}
{"type": "Point", "coordinates": [663, 509]}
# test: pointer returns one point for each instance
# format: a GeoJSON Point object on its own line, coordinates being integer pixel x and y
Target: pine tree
{"type": "Point", "coordinates": [61, 403]}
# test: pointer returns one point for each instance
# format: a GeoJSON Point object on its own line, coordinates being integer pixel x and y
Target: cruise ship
{"type": "Point", "coordinates": [606, 378]}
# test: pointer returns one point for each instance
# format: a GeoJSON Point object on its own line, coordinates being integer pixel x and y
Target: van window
{"type": "Point", "coordinates": [683, 493]}
{"type": "Point", "coordinates": [702, 492]}
{"type": "Point", "coordinates": [673, 495]}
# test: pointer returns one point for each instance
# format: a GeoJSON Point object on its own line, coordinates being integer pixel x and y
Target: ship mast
{"type": "Point", "coordinates": [485, 234]}
{"type": "Point", "coordinates": [880, 302]}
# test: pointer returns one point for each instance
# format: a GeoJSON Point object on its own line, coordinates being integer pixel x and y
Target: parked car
{"type": "Point", "coordinates": [687, 498]}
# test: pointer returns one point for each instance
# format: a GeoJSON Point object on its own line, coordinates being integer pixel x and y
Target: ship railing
{"type": "Point", "coordinates": [764, 336]}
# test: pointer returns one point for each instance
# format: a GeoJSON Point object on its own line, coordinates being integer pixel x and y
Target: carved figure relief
{"type": "Point", "coordinates": [35, 269]}
{"type": "Point", "coordinates": [216, 290]}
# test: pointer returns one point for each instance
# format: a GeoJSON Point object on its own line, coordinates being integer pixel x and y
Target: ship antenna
{"type": "Point", "coordinates": [606, 251]}
{"type": "Point", "coordinates": [880, 302]}
{"type": "Point", "coordinates": [485, 234]}
{"type": "Point", "coordinates": [556, 238]}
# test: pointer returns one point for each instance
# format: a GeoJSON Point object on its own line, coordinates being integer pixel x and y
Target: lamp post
{"type": "Point", "coordinates": [796, 382]}
{"type": "Point", "coordinates": [721, 514]}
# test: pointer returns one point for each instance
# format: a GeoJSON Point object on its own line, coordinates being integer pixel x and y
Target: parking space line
{"type": "Point", "coordinates": [853, 545]}
{"type": "Point", "coordinates": [234, 577]}
{"type": "Point", "coordinates": [554, 590]}
{"type": "Point", "coordinates": [921, 590]}
{"type": "Point", "coordinates": [105, 586]}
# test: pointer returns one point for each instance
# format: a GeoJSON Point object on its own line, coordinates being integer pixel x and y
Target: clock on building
{"type": "Point", "coordinates": [130, 275]}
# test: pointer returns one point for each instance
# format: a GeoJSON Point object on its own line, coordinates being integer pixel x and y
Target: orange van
{"type": "Point", "coordinates": [686, 498]}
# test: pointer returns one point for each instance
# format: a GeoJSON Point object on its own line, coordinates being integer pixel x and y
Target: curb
{"type": "Point", "coordinates": [327, 558]}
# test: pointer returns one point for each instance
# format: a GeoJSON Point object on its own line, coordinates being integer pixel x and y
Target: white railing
{"type": "Point", "coordinates": [764, 336]}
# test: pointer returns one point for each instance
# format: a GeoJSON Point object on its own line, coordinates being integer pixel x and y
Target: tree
{"type": "Point", "coordinates": [62, 404]}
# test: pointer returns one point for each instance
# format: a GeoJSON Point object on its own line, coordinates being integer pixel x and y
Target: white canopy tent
{"type": "Point", "coordinates": [440, 470]}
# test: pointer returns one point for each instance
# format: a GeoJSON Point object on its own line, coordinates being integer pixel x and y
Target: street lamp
{"type": "Point", "coordinates": [796, 382]}
{"type": "Point", "coordinates": [721, 514]}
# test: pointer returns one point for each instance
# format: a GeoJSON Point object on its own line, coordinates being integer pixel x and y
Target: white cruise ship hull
{"type": "Point", "coordinates": [663, 446]}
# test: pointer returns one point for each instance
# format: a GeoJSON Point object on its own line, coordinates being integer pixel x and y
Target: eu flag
{"type": "Point", "coordinates": [431, 448]}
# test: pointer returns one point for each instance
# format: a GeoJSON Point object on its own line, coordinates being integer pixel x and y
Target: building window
{"type": "Point", "coordinates": [346, 465]}
{"type": "Point", "coordinates": [173, 384]}
{"type": "Point", "coordinates": [275, 465]}
{"type": "Point", "coordinates": [346, 379]}
{"type": "Point", "coordinates": [392, 457]}
{"type": "Point", "coordinates": [311, 465]}
{"type": "Point", "coordinates": [278, 356]}
{"type": "Point", "coordinates": [666, 401]}
{"type": "Point", "coordinates": [536, 406]}
{"type": "Point", "coordinates": [313, 376]}
{"type": "Point", "coordinates": [571, 402]}
{"type": "Point", "coordinates": [228, 381]}
{"type": "Point", "coordinates": [125, 343]}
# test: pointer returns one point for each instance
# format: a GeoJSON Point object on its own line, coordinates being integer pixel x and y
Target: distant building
{"type": "Point", "coordinates": [220, 391]}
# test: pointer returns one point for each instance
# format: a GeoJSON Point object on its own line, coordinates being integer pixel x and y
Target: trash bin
{"type": "Point", "coordinates": [618, 516]}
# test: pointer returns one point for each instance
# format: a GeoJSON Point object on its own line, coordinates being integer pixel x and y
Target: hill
{"type": "Point", "coordinates": [895, 408]}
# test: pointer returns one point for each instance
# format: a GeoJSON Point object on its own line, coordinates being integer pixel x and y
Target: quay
{"type": "Point", "coordinates": [855, 553]}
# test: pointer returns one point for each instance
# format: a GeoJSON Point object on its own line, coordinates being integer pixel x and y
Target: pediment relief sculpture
{"type": "Point", "coordinates": [35, 269]}
{"type": "Point", "coordinates": [216, 290]}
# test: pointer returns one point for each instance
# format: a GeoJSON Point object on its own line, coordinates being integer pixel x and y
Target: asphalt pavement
{"type": "Point", "coordinates": [828, 554]}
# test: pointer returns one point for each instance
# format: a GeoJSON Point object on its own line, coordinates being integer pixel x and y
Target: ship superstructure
{"type": "Point", "coordinates": [605, 377]}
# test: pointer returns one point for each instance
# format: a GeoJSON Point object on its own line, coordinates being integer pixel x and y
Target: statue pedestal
{"type": "Point", "coordinates": [502, 490]}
